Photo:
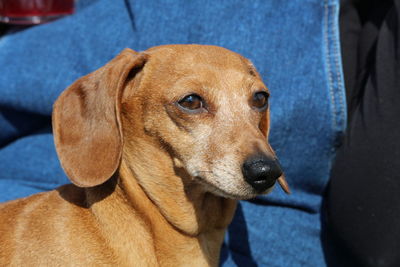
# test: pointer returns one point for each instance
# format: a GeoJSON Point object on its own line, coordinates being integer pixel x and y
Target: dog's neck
{"type": "Point", "coordinates": [176, 209]}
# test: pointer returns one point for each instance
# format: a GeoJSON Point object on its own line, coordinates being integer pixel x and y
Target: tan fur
{"type": "Point", "coordinates": [153, 185]}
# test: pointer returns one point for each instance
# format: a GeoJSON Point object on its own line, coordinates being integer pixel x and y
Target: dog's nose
{"type": "Point", "coordinates": [261, 172]}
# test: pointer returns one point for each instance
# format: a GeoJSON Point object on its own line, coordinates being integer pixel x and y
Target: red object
{"type": "Point", "coordinates": [34, 11]}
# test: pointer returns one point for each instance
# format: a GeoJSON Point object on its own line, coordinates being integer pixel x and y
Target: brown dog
{"type": "Point", "coordinates": [159, 145]}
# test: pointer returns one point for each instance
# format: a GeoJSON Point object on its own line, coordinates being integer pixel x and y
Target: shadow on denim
{"type": "Point", "coordinates": [238, 247]}
{"type": "Point", "coordinates": [15, 124]}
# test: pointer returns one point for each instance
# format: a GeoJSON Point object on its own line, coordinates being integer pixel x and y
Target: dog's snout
{"type": "Point", "coordinates": [261, 172]}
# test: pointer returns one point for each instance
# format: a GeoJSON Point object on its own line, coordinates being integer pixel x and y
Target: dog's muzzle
{"type": "Point", "coordinates": [261, 172]}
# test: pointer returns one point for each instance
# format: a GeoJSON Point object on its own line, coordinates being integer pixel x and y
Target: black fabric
{"type": "Point", "coordinates": [363, 200]}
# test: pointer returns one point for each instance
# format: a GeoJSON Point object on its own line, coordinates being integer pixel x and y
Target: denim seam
{"type": "Point", "coordinates": [339, 74]}
{"type": "Point", "coordinates": [337, 56]}
{"type": "Point", "coordinates": [328, 63]}
{"type": "Point", "coordinates": [333, 61]}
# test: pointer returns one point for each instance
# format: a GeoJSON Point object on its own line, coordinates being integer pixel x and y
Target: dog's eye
{"type": "Point", "coordinates": [260, 100]}
{"type": "Point", "coordinates": [191, 102]}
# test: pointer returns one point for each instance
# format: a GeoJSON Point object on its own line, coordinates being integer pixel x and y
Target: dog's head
{"type": "Point", "coordinates": [205, 105]}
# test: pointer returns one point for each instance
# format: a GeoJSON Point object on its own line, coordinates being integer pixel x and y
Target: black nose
{"type": "Point", "coordinates": [261, 172]}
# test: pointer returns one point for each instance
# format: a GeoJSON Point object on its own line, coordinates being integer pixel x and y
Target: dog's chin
{"type": "Point", "coordinates": [242, 193]}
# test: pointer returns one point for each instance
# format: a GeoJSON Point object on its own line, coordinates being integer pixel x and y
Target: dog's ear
{"type": "Point", "coordinates": [264, 127]}
{"type": "Point", "coordinates": [86, 121]}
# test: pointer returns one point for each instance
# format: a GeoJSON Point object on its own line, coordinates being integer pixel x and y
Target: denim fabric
{"type": "Point", "coordinates": [294, 45]}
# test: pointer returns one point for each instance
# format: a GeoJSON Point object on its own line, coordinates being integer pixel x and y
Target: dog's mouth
{"type": "Point", "coordinates": [215, 189]}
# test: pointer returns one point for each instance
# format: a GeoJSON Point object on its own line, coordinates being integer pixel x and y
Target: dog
{"type": "Point", "coordinates": [159, 146]}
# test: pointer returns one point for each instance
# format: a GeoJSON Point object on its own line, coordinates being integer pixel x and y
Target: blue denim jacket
{"type": "Point", "coordinates": [294, 45]}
